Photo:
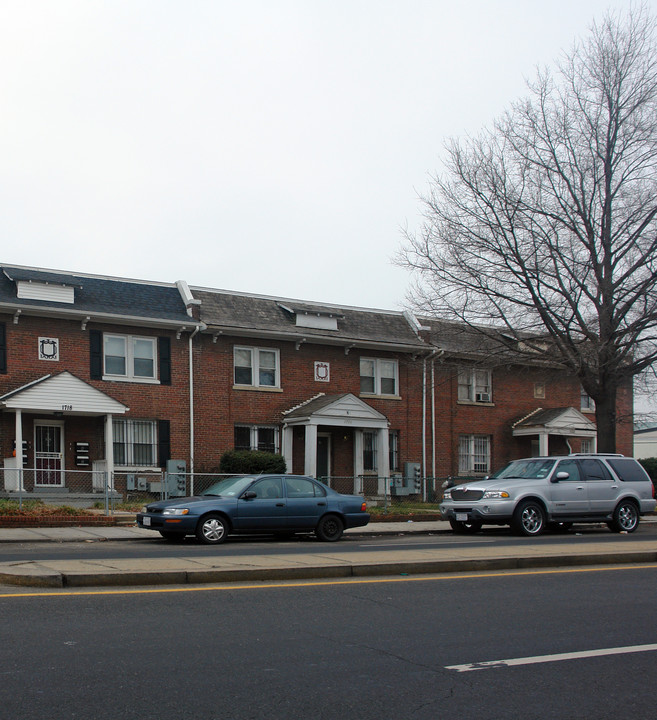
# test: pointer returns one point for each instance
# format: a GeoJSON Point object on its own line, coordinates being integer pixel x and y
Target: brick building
{"type": "Point", "coordinates": [100, 373]}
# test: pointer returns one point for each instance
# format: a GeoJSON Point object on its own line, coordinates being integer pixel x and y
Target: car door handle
{"type": "Point", "coordinates": [321, 504]}
{"type": "Point", "coordinates": [580, 487]}
{"type": "Point", "coordinates": [280, 504]}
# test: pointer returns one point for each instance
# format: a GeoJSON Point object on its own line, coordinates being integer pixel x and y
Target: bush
{"type": "Point", "coordinates": [650, 466]}
{"type": "Point", "coordinates": [37, 508]}
{"type": "Point", "coordinates": [251, 462]}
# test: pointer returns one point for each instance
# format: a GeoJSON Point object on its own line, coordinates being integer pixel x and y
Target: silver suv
{"type": "Point", "coordinates": [532, 494]}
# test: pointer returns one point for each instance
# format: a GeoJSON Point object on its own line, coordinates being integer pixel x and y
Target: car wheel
{"type": "Point", "coordinates": [471, 527]}
{"type": "Point", "coordinates": [212, 529]}
{"type": "Point", "coordinates": [529, 518]}
{"type": "Point", "coordinates": [625, 518]}
{"type": "Point", "coordinates": [172, 536]}
{"type": "Point", "coordinates": [329, 528]}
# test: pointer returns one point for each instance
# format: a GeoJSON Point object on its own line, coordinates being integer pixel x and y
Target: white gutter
{"type": "Point", "coordinates": [430, 357]}
{"type": "Point", "coordinates": [191, 404]}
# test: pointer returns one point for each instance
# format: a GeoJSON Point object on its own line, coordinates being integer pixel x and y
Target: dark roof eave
{"type": "Point", "coordinates": [316, 339]}
{"type": "Point", "coordinates": [93, 316]}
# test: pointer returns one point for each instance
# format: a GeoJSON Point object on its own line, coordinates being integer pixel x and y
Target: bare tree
{"type": "Point", "coordinates": [545, 224]}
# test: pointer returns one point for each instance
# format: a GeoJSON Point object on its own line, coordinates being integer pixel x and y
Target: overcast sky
{"type": "Point", "coordinates": [267, 147]}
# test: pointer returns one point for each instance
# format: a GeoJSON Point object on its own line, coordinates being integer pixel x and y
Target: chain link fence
{"type": "Point", "coordinates": [128, 491]}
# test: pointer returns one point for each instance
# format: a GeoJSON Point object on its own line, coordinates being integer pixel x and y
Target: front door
{"type": "Point", "coordinates": [323, 457]}
{"type": "Point", "coordinates": [48, 455]}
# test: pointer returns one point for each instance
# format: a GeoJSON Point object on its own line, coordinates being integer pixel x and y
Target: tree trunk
{"type": "Point", "coordinates": [605, 417]}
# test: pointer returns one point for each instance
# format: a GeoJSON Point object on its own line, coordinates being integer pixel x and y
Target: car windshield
{"type": "Point", "coordinates": [526, 469]}
{"type": "Point", "coordinates": [230, 487]}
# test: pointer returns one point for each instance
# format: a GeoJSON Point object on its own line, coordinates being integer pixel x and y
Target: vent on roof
{"type": "Point", "coordinates": [30, 290]}
{"type": "Point", "coordinates": [311, 318]}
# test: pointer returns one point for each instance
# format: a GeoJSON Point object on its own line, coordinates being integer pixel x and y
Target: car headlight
{"type": "Point", "coordinates": [144, 509]}
{"type": "Point", "coordinates": [175, 511]}
{"type": "Point", "coordinates": [495, 494]}
{"type": "Point", "coordinates": [447, 495]}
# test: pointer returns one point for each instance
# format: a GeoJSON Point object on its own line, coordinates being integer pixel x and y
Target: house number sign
{"type": "Point", "coordinates": [48, 348]}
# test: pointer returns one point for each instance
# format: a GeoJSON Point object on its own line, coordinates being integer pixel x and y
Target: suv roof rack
{"type": "Point", "coordinates": [596, 455]}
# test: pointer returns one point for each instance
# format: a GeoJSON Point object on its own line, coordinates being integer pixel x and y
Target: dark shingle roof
{"type": "Point", "coordinates": [97, 296]}
{"type": "Point", "coordinates": [244, 314]}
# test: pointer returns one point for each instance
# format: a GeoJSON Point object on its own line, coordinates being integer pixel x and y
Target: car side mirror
{"type": "Point", "coordinates": [560, 476]}
{"type": "Point", "coordinates": [249, 495]}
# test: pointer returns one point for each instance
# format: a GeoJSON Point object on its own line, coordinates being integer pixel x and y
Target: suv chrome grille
{"type": "Point", "coordinates": [465, 494]}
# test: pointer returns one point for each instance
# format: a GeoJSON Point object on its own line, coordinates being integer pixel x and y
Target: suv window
{"type": "Point", "coordinates": [571, 467]}
{"type": "Point", "coordinates": [628, 469]}
{"type": "Point", "coordinates": [527, 469]}
{"type": "Point", "coordinates": [595, 470]}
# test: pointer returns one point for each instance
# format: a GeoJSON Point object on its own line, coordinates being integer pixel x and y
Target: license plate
{"type": "Point", "coordinates": [460, 517]}
{"type": "Point", "coordinates": [146, 521]}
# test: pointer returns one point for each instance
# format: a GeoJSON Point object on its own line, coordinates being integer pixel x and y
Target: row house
{"type": "Point", "coordinates": [94, 376]}
{"type": "Point", "coordinates": [117, 375]}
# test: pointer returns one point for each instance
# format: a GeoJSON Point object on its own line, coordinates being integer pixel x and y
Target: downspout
{"type": "Point", "coordinates": [431, 356]}
{"type": "Point", "coordinates": [197, 329]}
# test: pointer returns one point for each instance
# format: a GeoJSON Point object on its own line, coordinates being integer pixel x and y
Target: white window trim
{"type": "Point", "coordinates": [255, 368]}
{"type": "Point", "coordinates": [476, 393]}
{"type": "Point", "coordinates": [129, 360]}
{"type": "Point", "coordinates": [471, 454]}
{"type": "Point", "coordinates": [253, 430]}
{"type": "Point", "coordinates": [586, 402]}
{"type": "Point", "coordinates": [377, 378]}
{"type": "Point", "coordinates": [129, 443]}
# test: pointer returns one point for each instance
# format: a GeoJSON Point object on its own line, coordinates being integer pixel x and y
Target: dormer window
{"type": "Point", "coordinates": [31, 290]}
{"type": "Point", "coordinates": [314, 317]}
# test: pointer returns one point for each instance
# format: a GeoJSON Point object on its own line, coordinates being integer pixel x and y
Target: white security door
{"type": "Point", "coordinates": [48, 455]}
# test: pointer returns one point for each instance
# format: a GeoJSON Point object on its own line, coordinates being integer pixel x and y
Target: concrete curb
{"type": "Point", "coordinates": [35, 575]}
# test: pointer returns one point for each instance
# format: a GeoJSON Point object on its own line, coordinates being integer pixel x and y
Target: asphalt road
{"type": "Point", "coordinates": [377, 648]}
{"type": "Point", "coordinates": [250, 546]}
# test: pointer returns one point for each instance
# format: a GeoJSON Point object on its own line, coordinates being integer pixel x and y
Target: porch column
{"type": "Point", "coordinates": [109, 451]}
{"type": "Point", "coordinates": [383, 460]}
{"type": "Point", "coordinates": [19, 442]}
{"type": "Point", "coordinates": [359, 467]}
{"type": "Point", "coordinates": [286, 447]}
{"type": "Point", "coordinates": [310, 464]}
{"type": "Point", "coordinates": [543, 444]}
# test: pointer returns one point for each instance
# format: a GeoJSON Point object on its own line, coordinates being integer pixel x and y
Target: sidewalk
{"type": "Point", "coordinates": [328, 562]}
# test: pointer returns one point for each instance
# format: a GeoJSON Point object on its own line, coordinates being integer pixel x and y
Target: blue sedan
{"type": "Point", "coordinates": [257, 503]}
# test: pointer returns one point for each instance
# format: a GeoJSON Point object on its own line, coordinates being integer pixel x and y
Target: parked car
{"type": "Point", "coordinates": [535, 493]}
{"type": "Point", "coordinates": [283, 504]}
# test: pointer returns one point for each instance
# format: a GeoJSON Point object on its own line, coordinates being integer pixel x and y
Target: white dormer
{"type": "Point", "coordinates": [311, 318]}
{"type": "Point", "coordinates": [32, 290]}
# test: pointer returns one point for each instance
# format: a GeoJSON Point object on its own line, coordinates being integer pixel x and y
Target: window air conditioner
{"type": "Point", "coordinates": [482, 397]}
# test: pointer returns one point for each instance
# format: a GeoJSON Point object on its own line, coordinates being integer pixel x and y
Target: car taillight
{"type": "Point", "coordinates": [363, 507]}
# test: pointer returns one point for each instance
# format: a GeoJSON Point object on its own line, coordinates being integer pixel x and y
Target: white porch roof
{"type": "Point", "coordinates": [63, 393]}
{"type": "Point", "coordinates": [567, 422]}
{"type": "Point", "coordinates": [337, 410]}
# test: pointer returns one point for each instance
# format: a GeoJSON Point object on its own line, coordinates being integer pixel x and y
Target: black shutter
{"type": "Point", "coordinates": [163, 442]}
{"type": "Point", "coordinates": [96, 354]}
{"type": "Point", "coordinates": [164, 351]}
{"type": "Point", "coordinates": [3, 348]}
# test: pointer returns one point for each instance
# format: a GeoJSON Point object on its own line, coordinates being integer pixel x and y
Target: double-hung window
{"type": "Point", "coordinates": [379, 376]}
{"type": "Point", "coordinates": [393, 450]}
{"type": "Point", "coordinates": [475, 385]}
{"type": "Point", "coordinates": [474, 454]}
{"type": "Point", "coordinates": [256, 367]}
{"type": "Point", "coordinates": [586, 401]}
{"type": "Point", "coordinates": [130, 357]}
{"type": "Point", "coordinates": [256, 437]}
{"type": "Point", "coordinates": [135, 443]}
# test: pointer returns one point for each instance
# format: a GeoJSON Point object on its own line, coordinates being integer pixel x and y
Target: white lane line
{"type": "Point", "coordinates": [487, 665]}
